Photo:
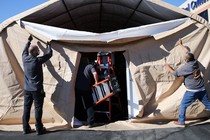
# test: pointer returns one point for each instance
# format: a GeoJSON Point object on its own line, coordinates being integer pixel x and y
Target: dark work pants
{"type": "Point", "coordinates": [38, 98]}
{"type": "Point", "coordinates": [87, 100]}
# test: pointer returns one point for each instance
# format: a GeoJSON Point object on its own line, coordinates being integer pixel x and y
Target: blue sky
{"type": "Point", "coordinates": [9, 8]}
{"type": "Point", "coordinates": [175, 2]}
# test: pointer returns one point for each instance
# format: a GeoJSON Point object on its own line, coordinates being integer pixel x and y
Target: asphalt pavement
{"type": "Point", "coordinates": [116, 131]}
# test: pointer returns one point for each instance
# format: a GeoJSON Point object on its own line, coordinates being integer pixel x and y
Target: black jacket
{"type": "Point", "coordinates": [33, 74]}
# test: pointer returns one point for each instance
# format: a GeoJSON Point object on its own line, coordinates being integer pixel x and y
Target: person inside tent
{"type": "Point", "coordinates": [33, 85]}
{"type": "Point", "coordinates": [193, 81]}
{"type": "Point", "coordinates": [86, 78]}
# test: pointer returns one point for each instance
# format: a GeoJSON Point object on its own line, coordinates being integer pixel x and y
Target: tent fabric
{"type": "Point", "coordinates": [95, 25]}
{"type": "Point", "coordinates": [55, 33]}
{"type": "Point", "coordinates": [100, 16]}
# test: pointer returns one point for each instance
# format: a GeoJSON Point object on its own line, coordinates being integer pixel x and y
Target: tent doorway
{"type": "Point", "coordinates": [119, 103]}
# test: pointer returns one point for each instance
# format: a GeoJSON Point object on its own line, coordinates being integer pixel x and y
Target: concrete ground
{"type": "Point", "coordinates": [120, 130]}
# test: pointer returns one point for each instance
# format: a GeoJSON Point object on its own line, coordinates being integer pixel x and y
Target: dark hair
{"type": "Point", "coordinates": [190, 57]}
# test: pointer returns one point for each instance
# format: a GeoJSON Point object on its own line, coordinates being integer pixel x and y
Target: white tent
{"type": "Point", "coordinates": [144, 32]}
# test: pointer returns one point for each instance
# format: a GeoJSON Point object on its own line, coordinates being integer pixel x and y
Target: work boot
{"type": "Point", "coordinates": [41, 131]}
{"type": "Point", "coordinates": [92, 125]}
{"type": "Point", "coordinates": [27, 130]}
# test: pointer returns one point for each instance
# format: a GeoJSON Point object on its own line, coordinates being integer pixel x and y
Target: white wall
{"type": "Point", "coordinates": [133, 107]}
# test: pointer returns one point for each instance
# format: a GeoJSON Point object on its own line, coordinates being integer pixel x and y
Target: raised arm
{"type": "Point", "coordinates": [49, 49]}
{"type": "Point", "coordinates": [185, 49]}
{"type": "Point", "coordinates": [48, 55]}
{"type": "Point", "coordinates": [169, 68]}
{"type": "Point", "coordinates": [25, 51]}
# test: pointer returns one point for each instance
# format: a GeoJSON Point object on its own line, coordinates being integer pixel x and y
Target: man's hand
{"type": "Point", "coordinates": [49, 49]}
{"type": "Point", "coordinates": [48, 43]}
{"type": "Point", "coordinates": [184, 48]}
{"type": "Point", "coordinates": [169, 68]}
{"type": "Point", "coordinates": [180, 42]}
{"type": "Point", "coordinates": [30, 38]}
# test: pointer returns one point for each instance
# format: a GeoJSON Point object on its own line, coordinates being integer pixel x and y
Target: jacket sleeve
{"type": "Point", "coordinates": [47, 56]}
{"type": "Point", "coordinates": [25, 51]}
{"type": "Point", "coordinates": [182, 71]}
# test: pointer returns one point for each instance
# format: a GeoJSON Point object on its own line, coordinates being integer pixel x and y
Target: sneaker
{"type": "Point", "coordinates": [41, 131]}
{"type": "Point", "coordinates": [27, 130]}
{"type": "Point", "coordinates": [92, 125]}
{"type": "Point", "coordinates": [178, 123]}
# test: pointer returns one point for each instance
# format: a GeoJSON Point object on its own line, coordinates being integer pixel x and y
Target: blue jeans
{"type": "Point", "coordinates": [188, 99]}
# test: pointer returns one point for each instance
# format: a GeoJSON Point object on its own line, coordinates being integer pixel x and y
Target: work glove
{"type": "Point", "coordinates": [30, 38]}
{"type": "Point", "coordinates": [49, 49]}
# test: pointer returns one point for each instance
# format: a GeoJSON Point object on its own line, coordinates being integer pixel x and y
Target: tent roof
{"type": "Point", "coordinates": [101, 15]}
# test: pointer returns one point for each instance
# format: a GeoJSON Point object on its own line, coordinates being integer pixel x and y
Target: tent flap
{"type": "Point", "coordinates": [55, 33]}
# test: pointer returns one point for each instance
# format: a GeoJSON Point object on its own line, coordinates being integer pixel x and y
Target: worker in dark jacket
{"type": "Point", "coordinates": [86, 78]}
{"type": "Point", "coordinates": [33, 85]}
{"type": "Point", "coordinates": [91, 77]}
